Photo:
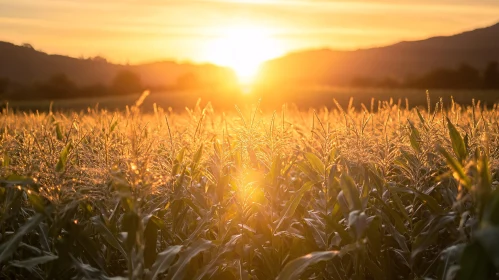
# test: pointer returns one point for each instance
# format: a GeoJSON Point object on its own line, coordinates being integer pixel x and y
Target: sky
{"type": "Point", "coordinates": [135, 31]}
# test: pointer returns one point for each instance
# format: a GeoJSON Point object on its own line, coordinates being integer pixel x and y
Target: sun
{"type": "Point", "coordinates": [244, 49]}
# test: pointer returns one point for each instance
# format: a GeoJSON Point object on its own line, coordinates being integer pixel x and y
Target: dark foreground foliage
{"type": "Point", "coordinates": [341, 194]}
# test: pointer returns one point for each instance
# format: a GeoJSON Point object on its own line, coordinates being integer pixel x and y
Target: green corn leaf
{"type": "Point", "coordinates": [351, 192]}
{"type": "Point", "coordinates": [108, 235]}
{"type": "Point", "coordinates": [331, 180]}
{"type": "Point", "coordinates": [421, 118]}
{"type": "Point", "coordinates": [316, 163]}
{"type": "Point", "coordinates": [275, 171]}
{"type": "Point", "coordinates": [266, 254]}
{"type": "Point", "coordinates": [294, 269]}
{"type": "Point", "coordinates": [151, 239]}
{"type": "Point", "coordinates": [113, 126]}
{"type": "Point", "coordinates": [86, 271]}
{"type": "Point", "coordinates": [58, 132]}
{"type": "Point", "coordinates": [458, 144]}
{"type": "Point", "coordinates": [226, 248]}
{"type": "Point", "coordinates": [313, 230]}
{"type": "Point", "coordinates": [63, 158]}
{"type": "Point", "coordinates": [163, 262]}
{"type": "Point", "coordinates": [5, 160]}
{"type": "Point", "coordinates": [197, 156]}
{"type": "Point", "coordinates": [37, 202]}
{"type": "Point", "coordinates": [488, 239]}
{"type": "Point", "coordinates": [43, 236]}
{"type": "Point", "coordinates": [458, 169]}
{"type": "Point", "coordinates": [180, 155]}
{"type": "Point", "coordinates": [179, 269]}
{"type": "Point", "coordinates": [425, 198]}
{"type": "Point", "coordinates": [311, 173]}
{"type": "Point", "coordinates": [374, 269]}
{"type": "Point", "coordinates": [8, 248]}
{"type": "Point", "coordinates": [89, 248]}
{"type": "Point", "coordinates": [292, 204]}
{"type": "Point", "coordinates": [474, 263]}
{"type": "Point", "coordinates": [429, 237]}
{"type": "Point", "coordinates": [415, 138]}
{"type": "Point", "coordinates": [485, 185]}
{"type": "Point", "coordinates": [398, 203]}
{"type": "Point", "coordinates": [33, 262]}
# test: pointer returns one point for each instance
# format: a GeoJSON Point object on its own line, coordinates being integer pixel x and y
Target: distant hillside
{"type": "Point", "coordinates": [25, 65]}
{"type": "Point", "coordinates": [399, 61]}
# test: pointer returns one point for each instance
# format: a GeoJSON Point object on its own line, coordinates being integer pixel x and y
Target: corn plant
{"type": "Point", "coordinates": [360, 192]}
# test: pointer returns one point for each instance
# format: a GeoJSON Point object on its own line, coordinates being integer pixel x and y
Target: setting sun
{"type": "Point", "coordinates": [244, 49]}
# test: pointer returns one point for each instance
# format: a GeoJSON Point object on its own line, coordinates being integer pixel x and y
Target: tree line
{"type": "Point", "coordinates": [462, 77]}
{"type": "Point", "coordinates": [60, 86]}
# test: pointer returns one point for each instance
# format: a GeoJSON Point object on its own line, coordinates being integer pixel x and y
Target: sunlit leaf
{"type": "Point", "coordinates": [351, 192]}
{"type": "Point", "coordinates": [316, 163]}
{"type": "Point", "coordinates": [457, 141]}
{"type": "Point", "coordinates": [292, 204]}
{"type": "Point", "coordinates": [63, 158]}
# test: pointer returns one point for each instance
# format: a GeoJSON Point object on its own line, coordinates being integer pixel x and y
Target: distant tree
{"type": "Point", "coordinates": [94, 90]}
{"type": "Point", "coordinates": [465, 77]}
{"type": "Point", "coordinates": [127, 82]}
{"type": "Point", "coordinates": [4, 84]}
{"type": "Point", "coordinates": [99, 59]}
{"type": "Point", "coordinates": [491, 76]}
{"type": "Point", "coordinates": [28, 46]}
{"type": "Point", "coordinates": [58, 86]}
{"type": "Point", "coordinates": [388, 83]}
{"type": "Point", "coordinates": [188, 81]}
{"type": "Point", "coordinates": [363, 82]}
{"type": "Point", "coordinates": [438, 78]}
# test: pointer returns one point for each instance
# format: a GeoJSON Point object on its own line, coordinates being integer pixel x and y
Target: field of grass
{"type": "Point", "coordinates": [344, 193]}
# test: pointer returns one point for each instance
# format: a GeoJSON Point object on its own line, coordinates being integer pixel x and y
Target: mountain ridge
{"type": "Point", "coordinates": [23, 64]}
{"type": "Point", "coordinates": [397, 61]}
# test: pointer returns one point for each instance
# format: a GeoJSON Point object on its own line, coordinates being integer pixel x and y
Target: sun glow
{"type": "Point", "coordinates": [244, 49]}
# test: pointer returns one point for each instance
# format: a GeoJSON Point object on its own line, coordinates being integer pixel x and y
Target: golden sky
{"type": "Point", "coordinates": [205, 30]}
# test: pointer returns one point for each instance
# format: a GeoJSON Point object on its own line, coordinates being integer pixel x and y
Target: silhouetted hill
{"type": "Point", "coordinates": [399, 61]}
{"type": "Point", "coordinates": [25, 65]}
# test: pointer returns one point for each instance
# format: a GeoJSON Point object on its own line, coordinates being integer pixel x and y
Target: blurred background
{"type": "Point", "coordinates": [74, 54]}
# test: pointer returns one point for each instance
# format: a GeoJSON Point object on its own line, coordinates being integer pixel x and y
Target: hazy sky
{"type": "Point", "coordinates": [146, 30]}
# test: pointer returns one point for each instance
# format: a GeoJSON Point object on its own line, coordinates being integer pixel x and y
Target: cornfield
{"type": "Point", "coordinates": [377, 191]}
